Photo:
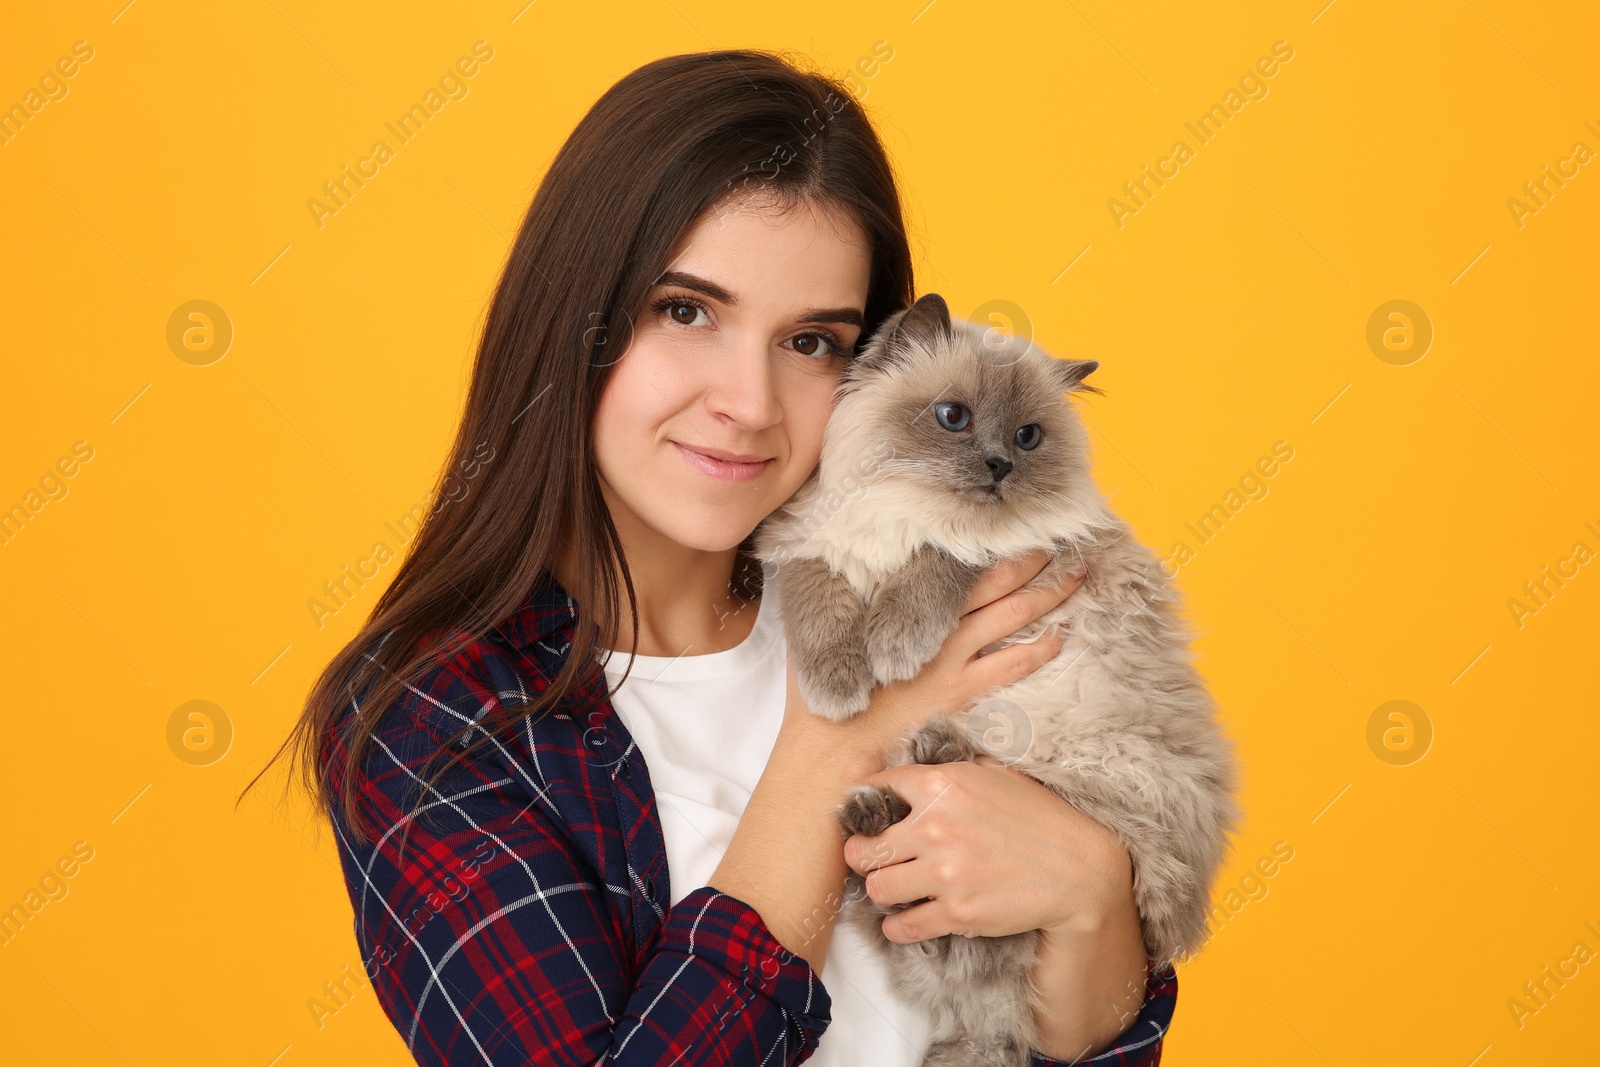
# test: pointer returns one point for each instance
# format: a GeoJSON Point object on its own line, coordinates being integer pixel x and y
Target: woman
{"type": "Point", "coordinates": [709, 248]}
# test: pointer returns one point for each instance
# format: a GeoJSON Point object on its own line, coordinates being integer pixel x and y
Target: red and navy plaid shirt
{"type": "Point", "coordinates": [525, 919]}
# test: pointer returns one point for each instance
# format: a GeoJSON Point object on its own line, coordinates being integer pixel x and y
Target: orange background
{"type": "Point", "coordinates": [1230, 313]}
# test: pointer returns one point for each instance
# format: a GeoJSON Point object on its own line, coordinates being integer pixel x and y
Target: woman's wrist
{"type": "Point", "coordinates": [846, 750]}
{"type": "Point", "coordinates": [1092, 967]}
{"type": "Point", "coordinates": [1099, 866]}
{"type": "Point", "coordinates": [1092, 984]}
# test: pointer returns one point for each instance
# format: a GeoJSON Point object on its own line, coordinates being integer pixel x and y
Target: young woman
{"type": "Point", "coordinates": [562, 852]}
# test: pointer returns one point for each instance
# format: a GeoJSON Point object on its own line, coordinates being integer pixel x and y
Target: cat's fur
{"type": "Point", "coordinates": [872, 560]}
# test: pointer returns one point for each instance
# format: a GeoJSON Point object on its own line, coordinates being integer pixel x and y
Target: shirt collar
{"type": "Point", "coordinates": [546, 610]}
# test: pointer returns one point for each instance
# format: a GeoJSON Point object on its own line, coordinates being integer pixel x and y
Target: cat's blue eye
{"type": "Point", "coordinates": [952, 416]}
{"type": "Point", "coordinates": [1028, 437]}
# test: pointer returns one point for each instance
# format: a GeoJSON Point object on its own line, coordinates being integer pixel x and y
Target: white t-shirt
{"type": "Point", "coordinates": [706, 725]}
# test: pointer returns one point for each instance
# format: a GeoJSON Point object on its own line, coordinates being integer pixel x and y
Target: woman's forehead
{"type": "Point", "coordinates": [803, 256]}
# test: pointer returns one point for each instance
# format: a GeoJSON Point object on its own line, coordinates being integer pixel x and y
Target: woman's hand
{"type": "Point", "coordinates": [996, 852]}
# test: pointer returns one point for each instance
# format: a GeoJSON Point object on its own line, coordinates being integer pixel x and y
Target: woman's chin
{"type": "Point", "coordinates": [717, 535]}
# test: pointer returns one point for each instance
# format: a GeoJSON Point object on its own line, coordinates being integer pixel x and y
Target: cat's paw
{"type": "Point", "coordinates": [869, 810]}
{"type": "Point", "coordinates": [836, 692]}
{"type": "Point", "coordinates": [942, 739]}
{"type": "Point", "coordinates": [835, 681]}
{"type": "Point", "coordinates": [901, 641]}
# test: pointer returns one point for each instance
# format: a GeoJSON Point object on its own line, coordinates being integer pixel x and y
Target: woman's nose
{"type": "Point", "coordinates": [742, 386]}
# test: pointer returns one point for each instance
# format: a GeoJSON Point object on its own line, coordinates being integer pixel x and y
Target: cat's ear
{"type": "Point", "coordinates": [1070, 373]}
{"type": "Point", "coordinates": [923, 323]}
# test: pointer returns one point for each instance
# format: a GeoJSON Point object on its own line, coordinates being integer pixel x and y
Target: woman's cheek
{"type": "Point", "coordinates": [808, 424]}
{"type": "Point", "coordinates": [628, 415]}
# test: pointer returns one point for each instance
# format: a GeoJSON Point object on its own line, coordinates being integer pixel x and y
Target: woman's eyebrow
{"type": "Point", "coordinates": [847, 316]}
{"type": "Point", "coordinates": [683, 279]}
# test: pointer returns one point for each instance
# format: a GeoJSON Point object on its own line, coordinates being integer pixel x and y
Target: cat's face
{"type": "Point", "coordinates": [975, 420]}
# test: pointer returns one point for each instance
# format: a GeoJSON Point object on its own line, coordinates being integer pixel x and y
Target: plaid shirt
{"type": "Point", "coordinates": [524, 921]}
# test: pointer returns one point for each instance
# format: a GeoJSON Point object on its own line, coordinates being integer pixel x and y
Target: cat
{"type": "Point", "coordinates": [951, 447]}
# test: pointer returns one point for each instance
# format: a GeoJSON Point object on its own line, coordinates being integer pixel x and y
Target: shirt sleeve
{"type": "Point", "coordinates": [1140, 1044]}
{"type": "Point", "coordinates": [490, 939]}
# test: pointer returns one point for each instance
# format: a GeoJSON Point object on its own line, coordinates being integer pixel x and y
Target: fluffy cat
{"type": "Point", "coordinates": [950, 448]}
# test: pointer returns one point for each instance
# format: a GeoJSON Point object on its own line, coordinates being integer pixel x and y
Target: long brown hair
{"type": "Point", "coordinates": [661, 147]}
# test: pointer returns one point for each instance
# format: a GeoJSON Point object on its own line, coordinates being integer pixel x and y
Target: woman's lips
{"type": "Point", "coordinates": [720, 468]}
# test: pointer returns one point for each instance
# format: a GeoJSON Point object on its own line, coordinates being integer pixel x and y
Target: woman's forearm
{"type": "Point", "coordinates": [786, 858]}
{"type": "Point", "coordinates": [1092, 983]}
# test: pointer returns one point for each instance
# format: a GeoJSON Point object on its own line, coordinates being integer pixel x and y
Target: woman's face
{"type": "Point", "coordinates": [741, 344]}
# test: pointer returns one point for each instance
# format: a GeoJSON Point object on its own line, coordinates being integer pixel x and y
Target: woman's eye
{"type": "Point", "coordinates": [813, 344]}
{"type": "Point", "coordinates": [684, 313]}
{"type": "Point", "coordinates": [952, 416]}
